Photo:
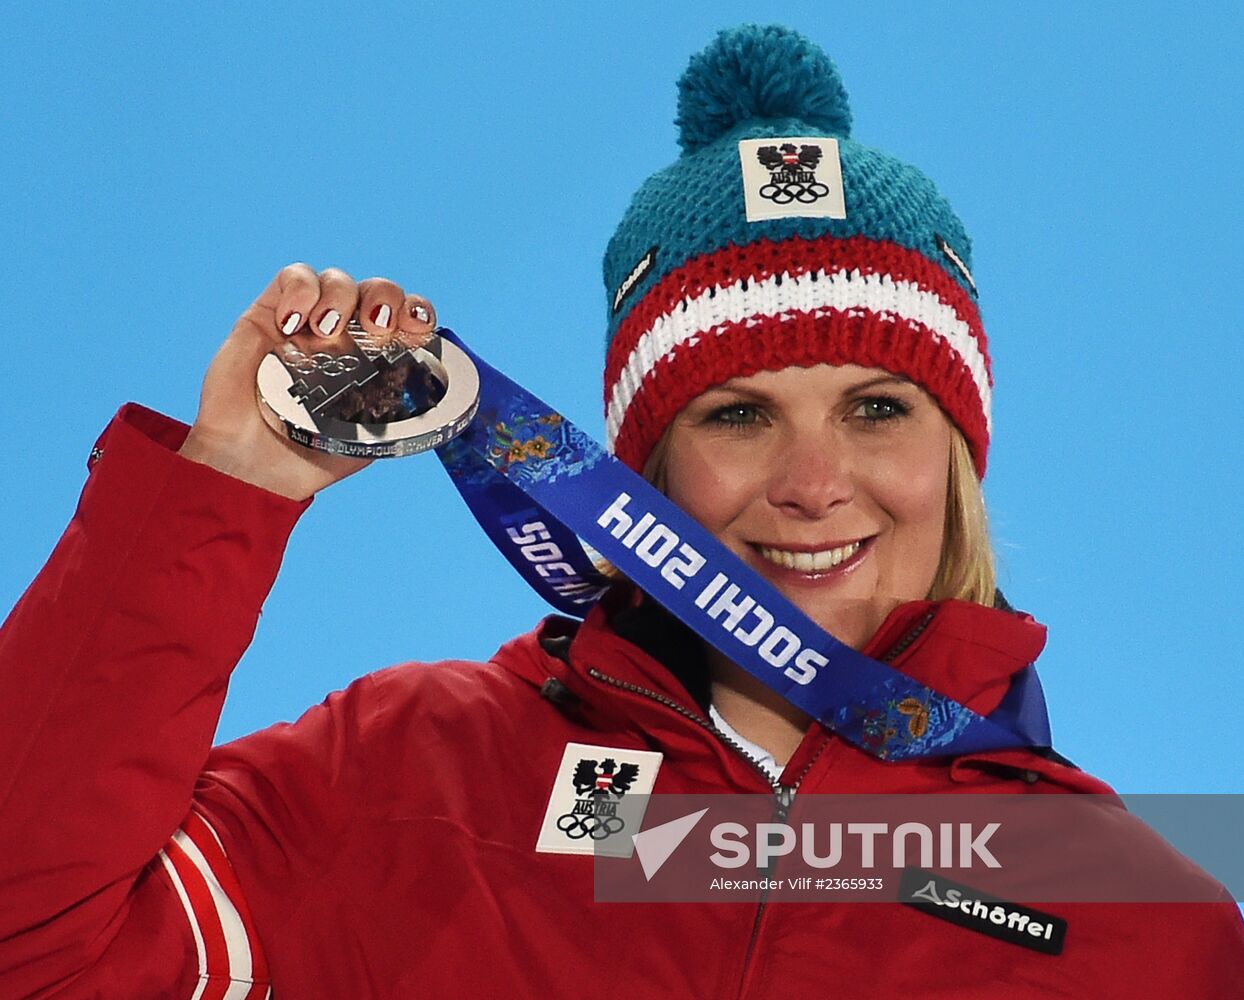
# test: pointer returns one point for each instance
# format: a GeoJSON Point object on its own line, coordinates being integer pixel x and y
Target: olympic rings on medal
{"type": "Point", "coordinates": [331, 365]}
{"type": "Point", "coordinates": [788, 191]}
{"type": "Point", "coordinates": [576, 826]}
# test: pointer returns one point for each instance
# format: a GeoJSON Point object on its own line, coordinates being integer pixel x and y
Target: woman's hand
{"type": "Point", "coordinates": [229, 432]}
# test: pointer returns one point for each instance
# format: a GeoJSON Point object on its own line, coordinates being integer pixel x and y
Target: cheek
{"type": "Point", "coordinates": [912, 490]}
{"type": "Point", "coordinates": [918, 495]}
{"type": "Point", "coordinates": [705, 483]}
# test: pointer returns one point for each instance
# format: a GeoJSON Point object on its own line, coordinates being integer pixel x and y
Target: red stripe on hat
{"type": "Point", "coordinates": [198, 830]}
{"type": "Point", "coordinates": [764, 258]}
{"type": "Point", "coordinates": [872, 340]}
{"type": "Point", "coordinates": [206, 919]}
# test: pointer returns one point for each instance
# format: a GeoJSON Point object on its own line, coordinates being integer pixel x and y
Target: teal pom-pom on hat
{"type": "Point", "coordinates": [759, 72]}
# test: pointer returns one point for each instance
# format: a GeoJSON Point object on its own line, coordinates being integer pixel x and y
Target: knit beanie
{"type": "Point", "coordinates": [774, 240]}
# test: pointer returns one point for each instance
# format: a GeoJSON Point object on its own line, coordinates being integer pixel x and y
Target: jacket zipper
{"type": "Point", "coordinates": [911, 636]}
{"type": "Point", "coordinates": [784, 801]}
{"type": "Point", "coordinates": [783, 795]}
{"type": "Point", "coordinates": [687, 714]}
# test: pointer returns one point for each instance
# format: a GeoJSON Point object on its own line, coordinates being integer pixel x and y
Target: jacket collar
{"type": "Point", "coordinates": [629, 645]}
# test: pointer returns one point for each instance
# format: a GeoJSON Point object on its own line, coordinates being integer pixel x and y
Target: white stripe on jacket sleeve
{"type": "Point", "coordinates": [193, 859]}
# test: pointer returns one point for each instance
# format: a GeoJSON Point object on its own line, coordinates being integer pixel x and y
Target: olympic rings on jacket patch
{"type": "Point", "coordinates": [576, 826]}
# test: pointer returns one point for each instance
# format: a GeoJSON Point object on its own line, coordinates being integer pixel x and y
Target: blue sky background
{"type": "Point", "coordinates": [160, 164]}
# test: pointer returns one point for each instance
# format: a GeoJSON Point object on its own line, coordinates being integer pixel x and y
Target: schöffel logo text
{"type": "Point", "coordinates": [636, 275]}
{"type": "Point", "coordinates": [959, 904]}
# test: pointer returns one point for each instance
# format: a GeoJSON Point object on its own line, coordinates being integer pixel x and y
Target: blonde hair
{"type": "Point", "coordinates": [966, 570]}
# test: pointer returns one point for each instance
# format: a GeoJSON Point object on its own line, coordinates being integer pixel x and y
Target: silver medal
{"type": "Point", "coordinates": [368, 397]}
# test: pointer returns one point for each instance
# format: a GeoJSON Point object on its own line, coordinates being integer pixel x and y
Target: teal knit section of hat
{"type": "Point", "coordinates": [767, 82]}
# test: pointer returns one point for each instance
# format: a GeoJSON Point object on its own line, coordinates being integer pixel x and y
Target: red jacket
{"type": "Point", "coordinates": [372, 850]}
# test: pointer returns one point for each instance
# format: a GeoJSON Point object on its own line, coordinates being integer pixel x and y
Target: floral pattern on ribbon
{"type": "Point", "coordinates": [907, 726]}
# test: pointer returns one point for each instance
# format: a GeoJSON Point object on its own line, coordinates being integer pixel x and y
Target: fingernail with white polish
{"type": "Point", "coordinates": [383, 315]}
{"type": "Point", "coordinates": [328, 323]}
{"type": "Point", "coordinates": [420, 313]}
{"type": "Point", "coordinates": [292, 322]}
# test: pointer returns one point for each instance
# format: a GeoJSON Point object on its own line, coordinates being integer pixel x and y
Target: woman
{"type": "Point", "coordinates": [796, 359]}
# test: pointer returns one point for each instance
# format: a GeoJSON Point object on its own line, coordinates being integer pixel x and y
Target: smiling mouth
{"type": "Point", "coordinates": [811, 562]}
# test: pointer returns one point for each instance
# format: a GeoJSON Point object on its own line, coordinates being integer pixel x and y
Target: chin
{"type": "Point", "coordinates": [853, 621]}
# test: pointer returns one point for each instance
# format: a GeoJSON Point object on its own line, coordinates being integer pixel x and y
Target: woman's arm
{"type": "Point", "coordinates": [113, 667]}
{"type": "Point", "coordinates": [114, 664]}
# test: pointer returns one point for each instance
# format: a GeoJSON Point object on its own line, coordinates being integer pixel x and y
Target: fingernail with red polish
{"type": "Point", "coordinates": [292, 322]}
{"type": "Point", "coordinates": [381, 315]}
{"type": "Point", "coordinates": [420, 313]}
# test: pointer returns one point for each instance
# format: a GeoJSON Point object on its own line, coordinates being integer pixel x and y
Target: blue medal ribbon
{"type": "Point", "coordinates": [539, 487]}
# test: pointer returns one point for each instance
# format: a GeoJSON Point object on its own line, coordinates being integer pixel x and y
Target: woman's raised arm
{"type": "Point", "coordinates": [114, 663]}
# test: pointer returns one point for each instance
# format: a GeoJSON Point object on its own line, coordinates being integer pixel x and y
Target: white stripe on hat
{"type": "Point", "coordinates": [217, 909]}
{"type": "Point", "coordinates": [809, 292]}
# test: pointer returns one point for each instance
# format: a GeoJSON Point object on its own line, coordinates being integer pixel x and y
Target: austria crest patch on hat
{"type": "Point", "coordinates": [792, 177]}
{"type": "Point", "coordinates": [598, 800]}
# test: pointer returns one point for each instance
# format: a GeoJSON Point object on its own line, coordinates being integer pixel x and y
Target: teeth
{"type": "Point", "coordinates": [811, 562]}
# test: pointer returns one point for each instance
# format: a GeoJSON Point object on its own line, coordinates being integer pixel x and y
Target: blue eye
{"type": "Point", "coordinates": [877, 409]}
{"type": "Point", "coordinates": [736, 415]}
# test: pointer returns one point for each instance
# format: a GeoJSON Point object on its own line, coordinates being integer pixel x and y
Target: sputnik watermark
{"type": "Point", "coordinates": [820, 845]}
{"type": "Point", "coordinates": [956, 845]}
{"type": "Point", "coordinates": [844, 848]}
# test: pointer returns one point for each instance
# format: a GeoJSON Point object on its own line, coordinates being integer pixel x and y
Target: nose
{"type": "Point", "coordinates": [812, 474]}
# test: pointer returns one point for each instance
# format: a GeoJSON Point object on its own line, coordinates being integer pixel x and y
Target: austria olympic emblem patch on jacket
{"type": "Point", "coordinates": [598, 800]}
